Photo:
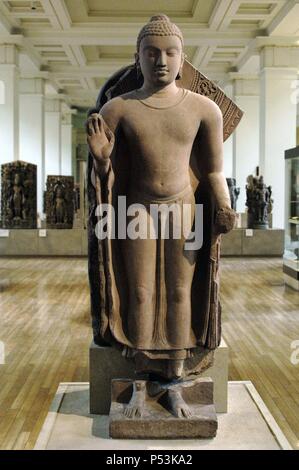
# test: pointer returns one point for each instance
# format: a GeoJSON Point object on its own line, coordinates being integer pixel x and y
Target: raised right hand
{"type": "Point", "coordinates": [100, 138]}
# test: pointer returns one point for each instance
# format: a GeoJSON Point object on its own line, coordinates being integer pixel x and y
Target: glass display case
{"type": "Point", "coordinates": [291, 254]}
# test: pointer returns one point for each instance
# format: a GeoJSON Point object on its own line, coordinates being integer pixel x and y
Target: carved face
{"type": "Point", "coordinates": [160, 59]}
{"type": "Point", "coordinates": [59, 192]}
{"type": "Point", "coordinates": [17, 178]}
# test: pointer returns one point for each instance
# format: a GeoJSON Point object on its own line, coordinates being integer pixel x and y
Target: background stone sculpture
{"type": "Point", "coordinates": [76, 193]}
{"type": "Point", "coordinates": [233, 192]}
{"type": "Point", "coordinates": [18, 195]}
{"type": "Point", "coordinates": [60, 202]}
{"type": "Point", "coordinates": [259, 202]}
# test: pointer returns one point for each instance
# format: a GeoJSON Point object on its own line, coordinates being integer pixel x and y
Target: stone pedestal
{"type": "Point", "coordinates": [248, 426]}
{"type": "Point", "coordinates": [157, 421]}
{"type": "Point", "coordinates": [253, 242]}
{"type": "Point", "coordinates": [49, 242]}
{"type": "Point", "coordinates": [243, 216]}
{"type": "Point", "coordinates": [106, 363]}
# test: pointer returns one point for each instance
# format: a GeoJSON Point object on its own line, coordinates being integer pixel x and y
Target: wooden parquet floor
{"type": "Point", "coordinates": [45, 329]}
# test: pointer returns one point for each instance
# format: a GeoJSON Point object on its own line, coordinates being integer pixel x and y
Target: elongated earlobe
{"type": "Point", "coordinates": [138, 70]}
{"type": "Point", "coordinates": [180, 74]}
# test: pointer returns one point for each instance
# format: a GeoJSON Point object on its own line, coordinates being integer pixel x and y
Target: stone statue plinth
{"type": "Point", "coordinates": [106, 364]}
{"type": "Point", "coordinates": [157, 420]}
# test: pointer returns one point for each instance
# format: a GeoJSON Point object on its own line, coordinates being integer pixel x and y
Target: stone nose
{"type": "Point", "coordinates": [161, 59]}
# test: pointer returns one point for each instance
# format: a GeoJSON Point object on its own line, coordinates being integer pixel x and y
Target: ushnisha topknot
{"type": "Point", "coordinates": [159, 25]}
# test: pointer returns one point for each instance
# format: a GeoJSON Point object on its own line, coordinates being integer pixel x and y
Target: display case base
{"type": "Point", "coordinates": [253, 242]}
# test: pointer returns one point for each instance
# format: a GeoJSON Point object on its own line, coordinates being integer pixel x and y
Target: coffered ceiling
{"type": "Point", "coordinates": [76, 44]}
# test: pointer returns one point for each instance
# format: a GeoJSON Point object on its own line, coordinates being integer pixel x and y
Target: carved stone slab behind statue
{"type": "Point", "coordinates": [60, 202]}
{"type": "Point", "coordinates": [18, 195]}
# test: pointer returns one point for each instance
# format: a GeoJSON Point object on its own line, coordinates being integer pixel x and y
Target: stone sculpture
{"type": "Point", "coordinates": [259, 202]}
{"type": "Point", "coordinates": [152, 136]}
{"type": "Point", "coordinates": [18, 195]}
{"type": "Point", "coordinates": [76, 194]}
{"type": "Point", "coordinates": [233, 192]}
{"type": "Point", "coordinates": [60, 202]}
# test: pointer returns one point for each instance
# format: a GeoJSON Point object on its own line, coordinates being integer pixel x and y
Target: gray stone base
{"type": "Point", "coordinates": [255, 242]}
{"type": "Point", "coordinates": [73, 242]}
{"type": "Point", "coordinates": [21, 242]}
{"type": "Point", "coordinates": [247, 426]}
{"type": "Point", "coordinates": [157, 422]}
{"type": "Point", "coordinates": [107, 363]}
{"type": "Point", "coordinates": [243, 220]}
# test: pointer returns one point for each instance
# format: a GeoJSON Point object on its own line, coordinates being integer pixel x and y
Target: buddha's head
{"type": "Point", "coordinates": [160, 51]}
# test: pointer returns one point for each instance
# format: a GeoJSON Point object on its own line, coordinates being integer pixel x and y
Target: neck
{"type": "Point", "coordinates": [160, 92]}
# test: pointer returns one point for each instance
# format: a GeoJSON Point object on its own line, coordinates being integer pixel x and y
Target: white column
{"type": "Point", "coordinates": [32, 128]}
{"type": "Point", "coordinates": [246, 136]}
{"type": "Point", "coordinates": [228, 157]}
{"type": "Point", "coordinates": [9, 103]}
{"type": "Point", "coordinates": [278, 119]}
{"type": "Point", "coordinates": [66, 144]}
{"type": "Point", "coordinates": [52, 137]}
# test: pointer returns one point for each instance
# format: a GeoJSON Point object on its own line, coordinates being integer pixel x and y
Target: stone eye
{"type": "Point", "coordinates": [151, 53]}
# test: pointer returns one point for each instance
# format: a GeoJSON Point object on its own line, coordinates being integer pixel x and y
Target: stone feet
{"type": "Point", "coordinates": [177, 404]}
{"type": "Point", "coordinates": [135, 407]}
{"type": "Point", "coordinates": [168, 393]}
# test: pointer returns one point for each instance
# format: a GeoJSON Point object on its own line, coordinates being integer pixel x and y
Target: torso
{"type": "Point", "coordinates": [160, 142]}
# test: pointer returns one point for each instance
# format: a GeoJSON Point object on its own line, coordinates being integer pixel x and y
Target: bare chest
{"type": "Point", "coordinates": [143, 125]}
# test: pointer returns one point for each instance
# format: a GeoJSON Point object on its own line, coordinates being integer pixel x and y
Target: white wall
{"type": "Point", "coordinates": [52, 138]}
{"type": "Point", "coordinates": [278, 133]}
{"type": "Point", "coordinates": [66, 149]}
{"type": "Point", "coordinates": [228, 157]}
{"type": "Point", "coordinates": [9, 114]}
{"type": "Point", "coordinates": [32, 137]}
{"type": "Point", "coordinates": [246, 145]}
